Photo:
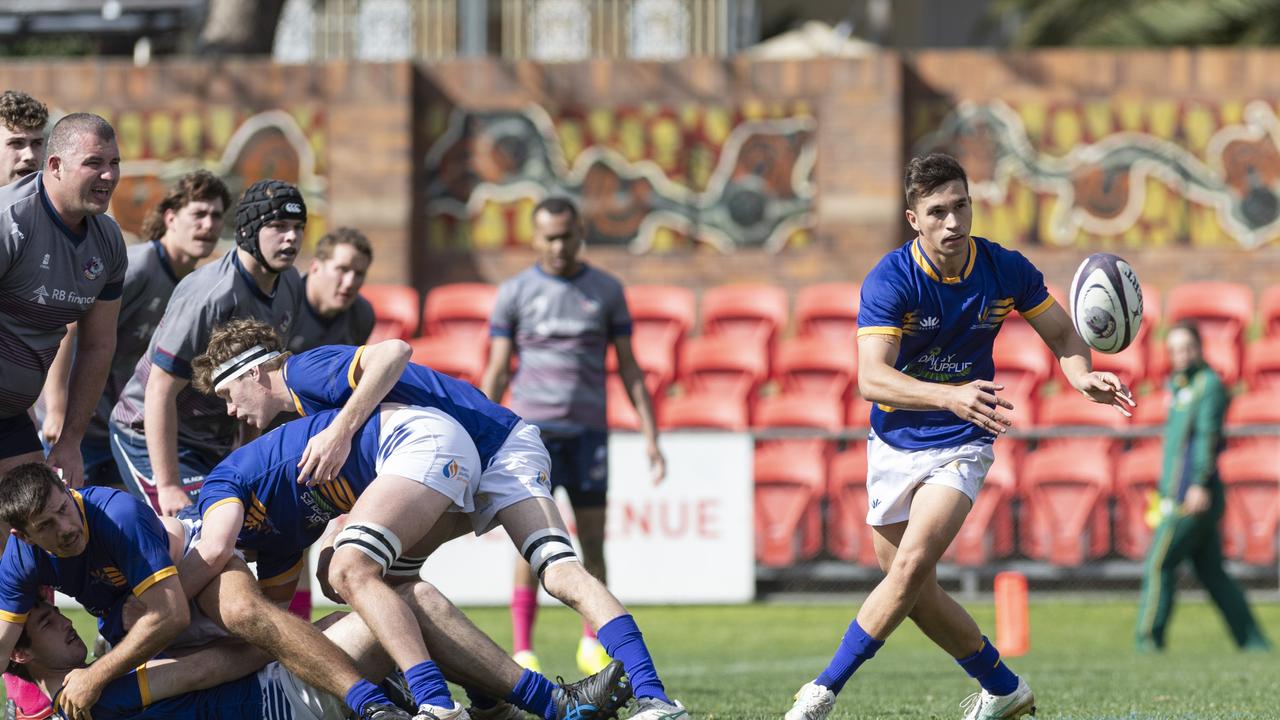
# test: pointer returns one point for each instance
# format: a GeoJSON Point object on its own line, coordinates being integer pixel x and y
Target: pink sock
{"type": "Point", "coordinates": [301, 604]}
{"type": "Point", "coordinates": [524, 608]}
{"type": "Point", "coordinates": [588, 631]}
{"type": "Point", "coordinates": [29, 698]}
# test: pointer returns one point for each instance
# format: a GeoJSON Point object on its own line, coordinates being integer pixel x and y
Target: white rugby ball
{"type": "Point", "coordinates": [1106, 302]}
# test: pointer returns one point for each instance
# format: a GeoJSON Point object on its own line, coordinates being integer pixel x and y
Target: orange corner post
{"type": "Point", "coordinates": [1013, 619]}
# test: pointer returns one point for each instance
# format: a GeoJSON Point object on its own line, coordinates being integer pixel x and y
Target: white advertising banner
{"type": "Point", "coordinates": [687, 540]}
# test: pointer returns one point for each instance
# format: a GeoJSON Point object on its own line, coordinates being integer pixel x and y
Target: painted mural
{"type": "Point", "coordinates": [647, 178]}
{"type": "Point", "coordinates": [242, 147]}
{"type": "Point", "coordinates": [1116, 172]}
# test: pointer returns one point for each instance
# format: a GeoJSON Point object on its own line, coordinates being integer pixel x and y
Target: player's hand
{"type": "Point", "coordinates": [977, 403]}
{"type": "Point", "coordinates": [324, 456]}
{"type": "Point", "coordinates": [1197, 500]}
{"type": "Point", "coordinates": [657, 465]}
{"type": "Point", "coordinates": [51, 428]}
{"type": "Point", "coordinates": [1105, 388]}
{"type": "Point", "coordinates": [172, 499]}
{"type": "Point", "coordinates": [66, 457]}
{"type": "Point", "coordinates": [80, 691]}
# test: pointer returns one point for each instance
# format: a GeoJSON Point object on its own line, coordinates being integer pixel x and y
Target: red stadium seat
{"type": "Point", "coordinates": [1251, 477]}
{"type": "Point", "coordinates": [1222, 311]}
{"type": "Point", "coordinates": [1064, 516]}
{"type": "Point", "coordinates": [789, 482]}
{"type": "Point", "coordinates": [1150, 414]}
{"type": "Point", "coordinates": [857, 414]}
{"type": "Point", "coordinates": [723, 365]}
{"type": "Point", "coordinates": [459, 310]}
{"type": "Point", "coordinates": [620, 413]}
{"type": "Point", "coordinates": [790, 411]}
{"type": "Point", "coordinates": [1128, 364]}
{"type": "Point", "coordinates": [1070, 409]}
{"type": "Point", "coordinates": [1253, 408]}
{"type": "Point", "coordinates": [748, 313]}
{"type": "Point", "coordinates": [706, 411]}
{"type": "Point", "coordinates": [1021, 363]}
{"type": "Point", "coordinates": [1222, 357]}
{"type": "Point", "coordinates": [462, 360]}
{"type": "Point", "coordinates": [661, 316]}
{"type": "Point", "coordinates": [395, 311]}
{"type": "Point", "coordinates": [1269, 311]}
{"type": "Point", "coordinates": [848, 535]}
{"type": "Point", "coordinates": [1262, 364]}
{"type": "Point", "coordinates": [828, 310]}
{"type": "Point", "coordinates": [655, 361]}
{"type": "Point", "coordinates": [987, 533]}
{"type": "Point", "coordinates": [817, 365]}
{"type": "Point", "coordinates": [1137, 476]}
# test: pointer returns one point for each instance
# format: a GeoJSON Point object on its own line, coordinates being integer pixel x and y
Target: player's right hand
{"type": "Point", "coordinates": [978, 403]}
{"type": "Point", "coordinates": [172, 499]}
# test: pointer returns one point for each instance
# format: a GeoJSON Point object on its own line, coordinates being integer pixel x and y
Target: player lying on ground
{"type": "Point", "coordinates": [927, 320]}
{"type": "Point", "coordinates": [229, 680]}
{"type": "Point", "coordinates": [103, 546]}
{"type": "Point", "coordinates": [455, 451]}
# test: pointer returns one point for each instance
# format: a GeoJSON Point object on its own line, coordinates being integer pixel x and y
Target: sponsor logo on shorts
{"type": "Point", "coordinates": [875, 503]}
{"type": "Point", "coordinates": [92, 268]}
{"type": "Point", "coordinates": [451, 469]}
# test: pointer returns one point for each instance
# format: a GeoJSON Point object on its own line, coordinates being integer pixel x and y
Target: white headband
{"type": "Point", "coordinates": [240, 364]}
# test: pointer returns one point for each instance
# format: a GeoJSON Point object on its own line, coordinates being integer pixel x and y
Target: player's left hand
{"type": "Point", "coordinates": [1106, 388]}
{"type": "Point", "coordinates": [66, 457]}
{"type": "Point", "coordinates": [324, 456]}
{"type": "Point", "coordinates": [80, 692]}
{"type": "Point", "coordinates": [1196, 501]}
{"type": "Point", "coordinates": [657, 465]}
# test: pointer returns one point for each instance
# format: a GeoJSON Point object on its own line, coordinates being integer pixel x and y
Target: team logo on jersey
{"type": "Point", "coordinates": [40, 294]}
{"type": "Point", "coordinates": [286, 323]}
{"type": "Point", "coordinates": [44, 264]}
{"type": "Point", "coordinates": [930, 323]}
{"type": "Point", "coordinates": [108, 575]}
{"type": "Point", "coordinates": [450, 470]}
{"type": "Point", "coordinates": [92, 268]}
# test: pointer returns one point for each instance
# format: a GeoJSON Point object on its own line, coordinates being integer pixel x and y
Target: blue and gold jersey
{"type": "Point", "coordinates": [281, 517]}
{"type": "Point", "coordinates": [323, 378]}
{"type": "Point", "coordinates": [947, 326]}
{"type": "Point", "coordinates": [127, 552]}
{"type": "Point", "coordinates": [129, 696]}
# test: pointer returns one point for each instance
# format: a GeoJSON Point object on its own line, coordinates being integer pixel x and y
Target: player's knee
{"type": "Point", "coordinates": [425, 596]}
{"type": "Point", "coordinates": [243, 612]}
{"type": "Point", "coordinates": [363, 552]}
{"type": "Point", "coordinates": [912, 568]}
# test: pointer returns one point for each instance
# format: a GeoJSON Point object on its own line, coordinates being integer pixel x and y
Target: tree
{"type": "Point", "coordinates": [1139, 23]}
{"type": "Point", "coordinates": [240, 27]}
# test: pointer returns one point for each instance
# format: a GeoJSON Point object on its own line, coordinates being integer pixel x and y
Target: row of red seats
{"type": "Point", "coordinates": [1061, 499]}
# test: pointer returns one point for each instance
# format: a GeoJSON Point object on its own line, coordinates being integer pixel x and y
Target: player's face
{"type": "Point", "coordinates": [89, 175]}
{"type": "Point", "coordinates": [943, 219]}
{"type": "Point", "coordinates": [58, 527]}
{"type": "Point", "coordinates": [54, 640]}
{"type": "Point", "coordinates": [247, 399]}
{"type": "Point", "coordinates": [21, 152]}
{"type": "Point", "coordinates": [279, 241]}
{"type": "Point", "coordinates": [1184, 351]}
{"type": "Point", "coordinates": [337, 280]}
{"type": "Point", "coordinates": [557, 238]}
{"type": "Point", "coordinates": [195, 227]}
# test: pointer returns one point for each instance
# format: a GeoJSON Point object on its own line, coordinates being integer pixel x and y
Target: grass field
{"type": "Point", "coordinates": [745, 662]}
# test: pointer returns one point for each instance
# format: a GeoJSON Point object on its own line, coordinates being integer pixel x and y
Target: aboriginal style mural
{"type": "Point", "coordinates": [241, 147]}
{"type": "Point", "coordinates": [1117, 172]}
{"type": "Point", "coordinates": [647, 178]}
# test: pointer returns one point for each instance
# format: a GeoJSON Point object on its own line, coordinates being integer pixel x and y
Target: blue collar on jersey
{"type": "Point", "coordinates": [164, 261]}
{"type": "Point", "coordinates": [74, 237]}
{"type": "Point", "coordinates": [918, 254]}
{"type": "Point", "coordinates": [253, 284]}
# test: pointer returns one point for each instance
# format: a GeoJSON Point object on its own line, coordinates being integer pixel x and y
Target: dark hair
{"type": "Point", "coordinates": [1190, 327]}
{"type": "Point", "coordinates": [20, 111]}
{"type": "Point", "coordinates": [24, 641]}
{"type": "Point", "coordinates": [928, 173]}
{"type": "Point", "coordinates": [24, 491]}
{"type": "Point", "coordinates": [67, 131]}
{"type": "Point", "coordinates": [344, 236]}
{"type": "Point", "coordinates": [198, 186]}
{"type": "Point", "coordinates": [557, 205]}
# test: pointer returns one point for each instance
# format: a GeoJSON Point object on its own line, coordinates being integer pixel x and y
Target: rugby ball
{"type": "Point", "coordinates": [1106, 302]}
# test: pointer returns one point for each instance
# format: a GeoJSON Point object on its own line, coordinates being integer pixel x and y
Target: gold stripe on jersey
{"type": "Point", "coordinates": [1037, 310]}
{"type": "Point", "coordinates": [355, 365]}
{"type": "Point", "coordinates": [155, 578]}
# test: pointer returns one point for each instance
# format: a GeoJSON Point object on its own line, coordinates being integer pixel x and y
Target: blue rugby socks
{"type": "Point", "coordinates": [428, 685]}
{"type": "Point", "coordinates": [624, 642]}
{"type": "Point", "coordinates": [991, 673]}
{"type": "Point", "coordinates": [364, 693]}
{"type": "Point", "coordinates": [855, 648]}
{"type": "Point", "coordinates": [534, 693]}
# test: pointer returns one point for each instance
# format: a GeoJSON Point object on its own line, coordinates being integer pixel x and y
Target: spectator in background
{"type": "Point", "coordinates": [333, 313]}
{"type": "Point", "coordinates": [22, 121]}
{"type": "Point", "coordinates": [560, 316]}
{"type": "Point", "coordinates": [181, 230]}
{"type": "Point", "coordinates": [1190, 501]}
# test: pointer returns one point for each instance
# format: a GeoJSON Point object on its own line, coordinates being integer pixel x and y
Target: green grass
{"type": "Point", "coordinates": [745, 662]}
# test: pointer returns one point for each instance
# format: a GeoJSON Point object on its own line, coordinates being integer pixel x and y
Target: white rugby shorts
{"type": "Point", "coordinates": [893, 475]}
{"type": "Point", "coordinates": [430, 447]}
{"type": "Point", "coordinates": [201, 630]}
{"type": "Point", "coordinates": [285, 697]}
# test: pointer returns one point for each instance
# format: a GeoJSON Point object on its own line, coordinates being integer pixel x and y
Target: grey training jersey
{"type": "Point", "coordinates": [349, 327]}
{"type": "Point", "coordinates": [49, 277]}
{"type": "Point", "coordinates": [147, 287]}
{"type": "Point", "coordinates": [208, 297]}
{"type": "Point", "coordinates": [561, 327]}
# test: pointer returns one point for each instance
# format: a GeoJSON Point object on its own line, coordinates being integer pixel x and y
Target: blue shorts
{"type": "Point", "coordinates": [130, 451]}
{"type": "Point", "coordinates": [18, 436]}
{"type": "Point", "coordinates": [579, 463]}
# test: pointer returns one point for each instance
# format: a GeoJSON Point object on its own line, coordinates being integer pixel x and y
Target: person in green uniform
{"type": "Point", "coordinates": [1190, 501]}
